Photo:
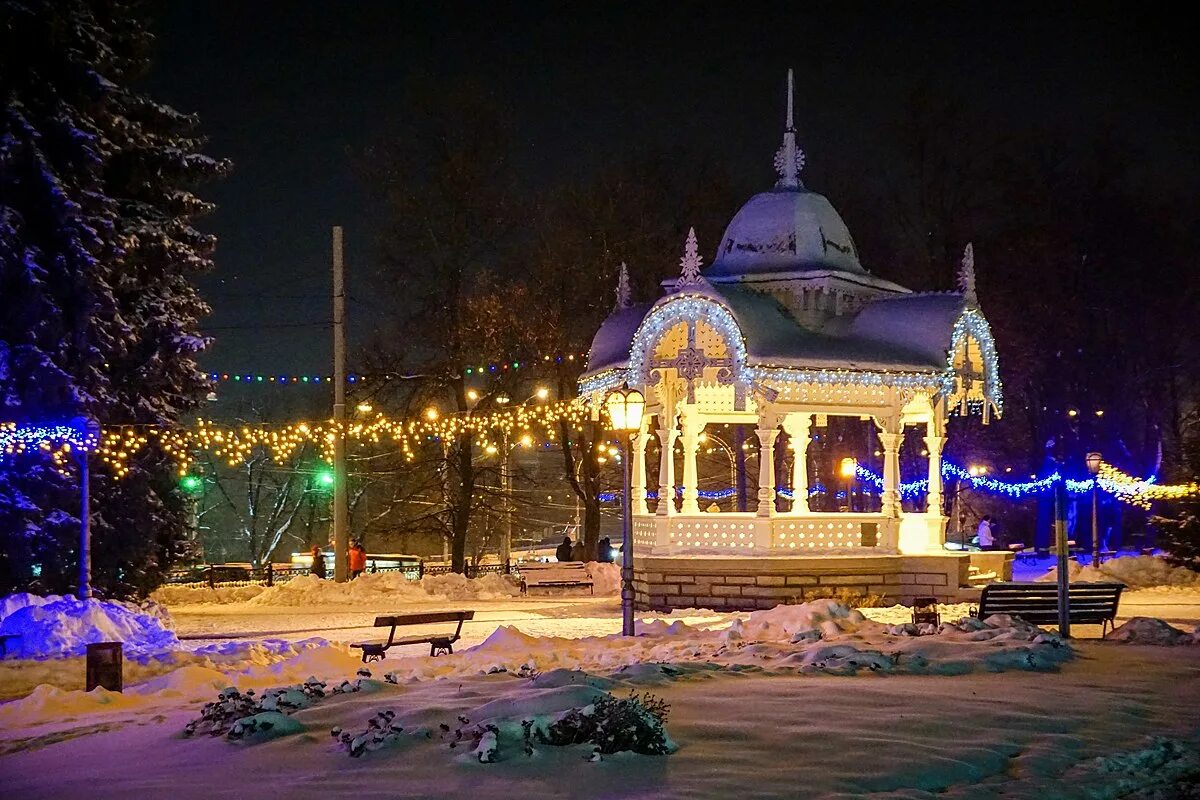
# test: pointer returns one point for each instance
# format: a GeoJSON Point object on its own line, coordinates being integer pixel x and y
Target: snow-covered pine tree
{"type": "Point", "coordinates": [1179, 534]}
{"type": "Point", "coordinates": [97, 253]}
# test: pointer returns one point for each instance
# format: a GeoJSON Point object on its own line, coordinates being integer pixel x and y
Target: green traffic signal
{"type": "Point", "coordinates": [325, 478]}
{"type": "Point", "coordinates": [190, 484]}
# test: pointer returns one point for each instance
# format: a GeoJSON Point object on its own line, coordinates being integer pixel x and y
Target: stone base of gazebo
{"type": "Point", "coordinates": [738, 583]}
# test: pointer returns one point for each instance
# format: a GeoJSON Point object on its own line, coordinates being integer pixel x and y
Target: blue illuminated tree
{"type": "Point", "coordinates": [97, 253]}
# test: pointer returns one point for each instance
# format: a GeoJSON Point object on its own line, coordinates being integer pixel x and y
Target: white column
{"type": "Point", "coordinates": [666, 465]}
{"type": "Point", "coordinates": [797, 427]}
{"type": "Point", "coordinates": [638, 477]}
{"type": "Point", "coordinates": [934, 445]}
{"type": "Point", "coordinates": [766, 468]}
{"type": "Point", "coordinates": [691, 425]}
{"type": "Point", "coordinates": [891, 472]}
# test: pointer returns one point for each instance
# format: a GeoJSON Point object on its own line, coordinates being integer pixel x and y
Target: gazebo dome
{"type": "Point", "coordinates": [785, 230]}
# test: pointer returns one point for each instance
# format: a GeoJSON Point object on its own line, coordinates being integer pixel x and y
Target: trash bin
{"type": "Point", "coordinates": [104, 662]}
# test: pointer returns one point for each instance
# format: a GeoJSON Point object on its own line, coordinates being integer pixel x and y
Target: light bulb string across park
{"type": "Point", "coordinates": [519, 425]}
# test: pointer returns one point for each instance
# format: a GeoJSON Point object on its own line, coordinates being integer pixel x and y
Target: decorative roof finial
{"type": "Point", "coordinates": [690, 263]}
{"type": "Point", "coordinates": [966, 276]}
{"type": "Point", "coordinates": [624, 293]}
{"type": "Point", "coordinates": [789, 159]}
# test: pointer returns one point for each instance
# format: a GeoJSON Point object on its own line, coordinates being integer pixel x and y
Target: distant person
{"type": "Point", "coordinates": [563, 553]}
{"type": "Point", "coordinates": [358, 560]}
{"type": "Point", "coordinates": [318, 561]}
{"type": "Point", "coordinates": [984, 533]}
{"type": "Point", "coordinates": [578, 552]}
{"type": "Point", "coordinates": [604, 550]}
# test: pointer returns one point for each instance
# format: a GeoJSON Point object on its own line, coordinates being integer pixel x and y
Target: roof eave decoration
{"type": "Point", "coordinates": [688, 307]}
{"type": "Point", "coordinates": [962, 389]}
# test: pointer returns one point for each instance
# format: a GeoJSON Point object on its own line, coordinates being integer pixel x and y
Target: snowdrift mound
{"type": "Point", "coordinates": [606, 577]}
{"type": "Point", "coordinates": [372, 588]}
{"type": "Point", "coordinates": [1148, 630]}
{"type": "Point", "coordinates": [453, 586]}
{"type": "Point", "coordinates": [60, 626]}
{"type": "Point", "coordinates": [1136, 572]}
{"type": "Point", "coordinates": [202, 595]}
{"type": "Point", "coordinates": [822, 636]}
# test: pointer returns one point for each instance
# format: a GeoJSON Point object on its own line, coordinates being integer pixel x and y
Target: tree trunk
{"type": "Point", "coordinates": [460, 512]}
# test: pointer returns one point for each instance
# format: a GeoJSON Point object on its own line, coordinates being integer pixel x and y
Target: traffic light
{"type": "Point", "coordinates": [324, 478]}
{"type": "Point", "coordinates": [191, 484]}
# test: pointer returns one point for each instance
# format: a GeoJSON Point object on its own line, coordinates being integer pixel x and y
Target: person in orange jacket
{"type": "Point", "coordinates": [358, 560]}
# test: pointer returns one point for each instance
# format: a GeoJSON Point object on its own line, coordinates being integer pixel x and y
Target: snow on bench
{"type": "Point", "coordinates": [555, 574]}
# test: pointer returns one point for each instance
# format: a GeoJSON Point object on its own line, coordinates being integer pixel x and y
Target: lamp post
{"type": "Point", "coordinates": [624, 407]}
{"type": "Point", "coordinates": [89, 430]}
{"type": "Point", "coordinates": [1094, 460]}
{"type": "Point", "coordinates": [849, 470]}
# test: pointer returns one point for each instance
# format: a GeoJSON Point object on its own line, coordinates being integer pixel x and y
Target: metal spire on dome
{"type": "Point", "coordinates": [624, 293]}
{"type": "Point", "coordinates": [789, 159]}
{"type": "Point", "coordinates": [690, 263]}
{"type": "Point", "coordinates": [966, 276]}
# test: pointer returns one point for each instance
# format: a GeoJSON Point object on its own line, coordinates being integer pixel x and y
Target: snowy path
{"type": "Point", "coordinates": [571, 618]}
{"type": "Point", "coordinates": [982, 735]}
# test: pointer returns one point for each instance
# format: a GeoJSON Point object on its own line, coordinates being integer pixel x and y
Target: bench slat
{"type": "Point", "coordinates": [1038, 602]}
{"type": "Point", "coordinates": [423, 618]}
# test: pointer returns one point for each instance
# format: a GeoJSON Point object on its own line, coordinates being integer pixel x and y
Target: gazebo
{"type": "Point", "coordinates": [784, 330]}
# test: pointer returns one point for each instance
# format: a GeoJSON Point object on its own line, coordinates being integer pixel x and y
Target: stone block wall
{"type": "Point", "coordinates": [745, 584]}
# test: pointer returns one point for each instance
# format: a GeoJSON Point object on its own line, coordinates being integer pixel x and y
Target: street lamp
{"type": "Point", "coordinates": [1094, 460]}
{"type": "Point", "coordinates": [849, 471]}
{"type": "Point", "coordinates": [624, 407]}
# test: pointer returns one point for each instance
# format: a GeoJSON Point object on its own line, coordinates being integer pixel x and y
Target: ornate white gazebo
{"type": "Point", "coordinates": [784, 328]}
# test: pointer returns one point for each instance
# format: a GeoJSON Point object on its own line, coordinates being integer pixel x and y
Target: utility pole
{"type": "Point", "coordinates": [340, 543]}
{"type": "Point", "coordinates": [1064, 576]}
{"type": "Point", "coordinates": [506, 542]}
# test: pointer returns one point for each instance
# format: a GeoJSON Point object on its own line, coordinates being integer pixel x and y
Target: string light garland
{"type": "Point", "coordinates": [308, 379]}
{"type": "Point", "coordinates": [237, 444]}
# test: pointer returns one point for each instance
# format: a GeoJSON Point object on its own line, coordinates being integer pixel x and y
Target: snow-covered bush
{"type": "Point", "coordinates": [612, 725]}
{"type": "Point", "coordinates": [232, 707]}
{"type": "Point", "coordinates": [380, 732]}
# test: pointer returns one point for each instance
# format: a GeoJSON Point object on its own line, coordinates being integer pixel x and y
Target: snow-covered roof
{"type": "Point", "coordinates": [610, 345]}
{"type": "Point", "coordinates": [920, 323]}
{"type": "Point", "coordinates": [899, 335]}
{"type": "Point", "coordinates": [774, 338]}
{"type": "Point", "coordinates": [785, 230]}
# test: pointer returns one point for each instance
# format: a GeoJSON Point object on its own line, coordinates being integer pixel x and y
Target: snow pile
{"type": "Point", "coordinates": [1147, 630]}
{"type": "Point", "coordinates": [15, 602]}
{"type": "Point", "coordinates": [373, 589]}
{"type": "Point", "coordinates": [60, 626]}
{"type": "Point", "coordinates": [899, 615]}
{"type": "Point", "coordinates": [451, 585]}
{"type": "Point", "coordinates": [785, 639]}
{"type": "Point", "coordinates": [606, 577]}
{"type": "Point", "coordinates": [168, 679]}
{"type": "Point", "coordinates": [199, 594]}
{"type": "Point", "coordinates": [1136, 572]}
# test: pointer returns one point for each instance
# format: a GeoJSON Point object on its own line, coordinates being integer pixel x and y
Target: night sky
{"type": "Point", "coordinates": [293, 91]}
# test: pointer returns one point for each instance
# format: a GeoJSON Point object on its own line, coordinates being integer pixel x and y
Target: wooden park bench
{"type": "Point", "coordinates": [438, 642]}
{"type": "Point", "coordinates": [1036, 602]}
{"type": "Point", "coordinates": [555, 574]}
{"type": "Point", "coordinates": [1023, 554]}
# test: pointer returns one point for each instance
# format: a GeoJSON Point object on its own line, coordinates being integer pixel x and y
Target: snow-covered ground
{"type": "Point", "coordinates": [816, 700]}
